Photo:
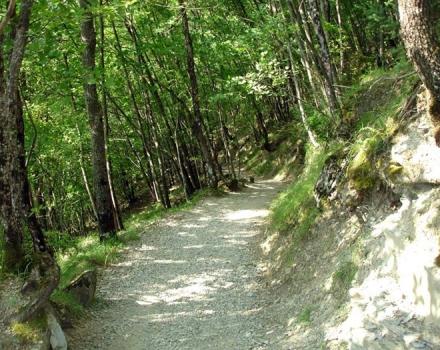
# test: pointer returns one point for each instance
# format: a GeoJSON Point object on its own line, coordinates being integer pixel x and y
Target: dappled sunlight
{"type": "Point", "coordinates": [145, 248]}
{"type": "Point", "coordinates": [402, 286]}
{"type": "Point", "coordinates": [193, 226]}
{"type": "Point", "coordinates": [186, 234]}
{"type": "Point", "coordinates": [195, 289]}
{"type": "Point", "coordinates": [169, 261]}
{"type": "Point", "coordinates": [246, 214]}
{"type": "Point", "coordinates": [197, 246]}
{"type": "Point", "coordinates": [237, 242]}
{"type": "Point", "coordinates": [190, 269]}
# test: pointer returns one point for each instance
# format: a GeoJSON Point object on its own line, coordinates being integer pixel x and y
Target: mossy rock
{"type": "Point", "coordinates": [394, 169]}
{"type": "Point", "coordinates": [362, 171]}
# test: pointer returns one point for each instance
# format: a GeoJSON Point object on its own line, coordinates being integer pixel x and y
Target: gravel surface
{"type": "Point", "coordinates": [192, 282]}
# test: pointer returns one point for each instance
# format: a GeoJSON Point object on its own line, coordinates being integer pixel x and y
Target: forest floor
{"type": "Point", "coordinates": [193, 281]}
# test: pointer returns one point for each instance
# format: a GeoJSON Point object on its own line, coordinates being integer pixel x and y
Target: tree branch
{"type": "Point", "coordinates": [8, 16]}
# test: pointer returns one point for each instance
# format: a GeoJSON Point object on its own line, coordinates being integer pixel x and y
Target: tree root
{"type": "Point", "coordinates": [38, 288]}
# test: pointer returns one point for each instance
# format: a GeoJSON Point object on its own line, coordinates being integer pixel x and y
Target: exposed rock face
{"type": "Point", "coordinates": [416, 151]}
{"type": "Point", "coordinates": [326, 186]}
{"type": "Point", "coordinates": [84, 287]}
{"type": "Point", "coordinates": [395, 303]}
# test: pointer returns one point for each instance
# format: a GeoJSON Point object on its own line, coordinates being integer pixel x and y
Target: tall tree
{"type": "Point", "coordinates": [197, 125]}
{"type": "Point", "coordinates": [419, 35]}
{"type": "Point", "coordinates": [16, 210]}
{"type": "Point", "coordinates": [103, 200]}
{"type": "Point", "coordinates": [16, 213]}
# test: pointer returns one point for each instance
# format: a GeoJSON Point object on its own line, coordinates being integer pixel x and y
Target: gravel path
{"type": "Point", "coordinates": [192, 282]}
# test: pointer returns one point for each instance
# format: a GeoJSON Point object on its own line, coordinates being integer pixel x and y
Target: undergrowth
{"type": "Point", "coordinates": [31, 331]}
{"type": "Point", "coordinates": [295, 210]}
{"type": "Point", "coordinates": [281, 161]}
{"type": "Point", "coordinates": [374, 105]}
{"type": "Point", "coordinates": [305, 317]}
{"type": "Point", "coordinates": [372, 110]}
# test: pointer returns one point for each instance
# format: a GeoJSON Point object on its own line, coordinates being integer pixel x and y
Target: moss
{"type": "Point", "coordinates": [376, 102]}
{"type": "Point", "coordinates": [394, 169]}
{"type": "Point", "coordinates": [361, 171]}
{"type": "Point", "coordinates": [30, 332]}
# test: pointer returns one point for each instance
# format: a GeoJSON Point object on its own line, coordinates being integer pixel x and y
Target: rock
{"type": "Point", "coordinates": [251, 179]}
{"type": "Point", "coordinates": [416, 152]}
{"type": "Point", "coordinates": [326, 186]}
{"type": "Point", "coordinates": [57, 338]}
{"type": "Point", "coordinates": [233, 185]}
{"type": "Point", "coordinates": [84, 287]}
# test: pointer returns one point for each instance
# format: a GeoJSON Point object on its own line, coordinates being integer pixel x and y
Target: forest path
{"type": "Point", "coordinates": [192, 282]}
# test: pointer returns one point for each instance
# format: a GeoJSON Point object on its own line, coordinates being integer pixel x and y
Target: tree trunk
{"type": "Point", "coordinates": [423, 48]}
{"type": "Point", "coordinates": [103, 200]}
{"type": "Point", "coordinates": [197, 126]}
{"type": "Point", "coordinates": [116, 211]}
{"type": "Point", "coordinates": [329, 74]}
{"type": "Point", "coordinates": [17, 216]}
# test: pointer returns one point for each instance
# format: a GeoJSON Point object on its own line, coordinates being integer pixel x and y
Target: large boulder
{"type": "Point", "coordinates": [83, 287]}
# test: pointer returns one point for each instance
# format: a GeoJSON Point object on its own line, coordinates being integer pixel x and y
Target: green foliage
{"type": "Point", "coordinates": [85, 254]}
{"type": "Point", "coordinates": [305, 317]}
{"type": "Point", "coordinates": [321, 124]}
{"type": "Point", "coordinates": [66, 301]}
{"type": "Point", "coordinates": [375, 103]}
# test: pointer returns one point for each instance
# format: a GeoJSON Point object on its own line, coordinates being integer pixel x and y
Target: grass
{"type": "Point", "coordinates": [371, 109]}
{"type": "Point", "coordinates": [295, 209]}
{"type": "Point", "coordinates": [373, 106]}
{"type": "Point", "coordinates": [30, 332]}
{"type": "Point", "coordinates": [345, 274]}
{"type": "Point", "coordinates": [305, 317]}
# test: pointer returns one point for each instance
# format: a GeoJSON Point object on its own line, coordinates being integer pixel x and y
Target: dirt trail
{"type": "Point", "coordinates": [192, 282]}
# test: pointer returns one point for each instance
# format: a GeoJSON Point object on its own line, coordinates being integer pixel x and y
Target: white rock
{"type": "Point", "coordinates": [57, 338]}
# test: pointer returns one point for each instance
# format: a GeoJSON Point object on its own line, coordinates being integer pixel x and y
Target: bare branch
{"type": "Point", "coordinates": [8, 16]}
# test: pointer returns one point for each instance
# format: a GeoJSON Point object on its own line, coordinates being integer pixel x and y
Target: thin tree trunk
{"type": "Point", "coordinates": [297, 90]}
{"type": "Point", "coordinates": [116, 211]}
{"type": "Point", "coordinates": [197, 126]}
{"type": "Point", "coordinates": [329, 77]}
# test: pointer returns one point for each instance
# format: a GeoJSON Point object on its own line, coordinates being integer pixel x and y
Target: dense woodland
{"type": "Point", "coordinates": [111, 105]}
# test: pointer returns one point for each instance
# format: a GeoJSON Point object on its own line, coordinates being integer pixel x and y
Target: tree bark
{"type": "Point", "coordinates": [423, 48]}
{"type": "Point", "coordinates": [16, 214]}
{"type": "Point", "coordinates": [103, 200]}
{"type": "Point", "coordinates": [116, 210]}
{"type": "Point", "coordinates": [197, 125]}
{"type": "Point", "coordinates": [329, 74]}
